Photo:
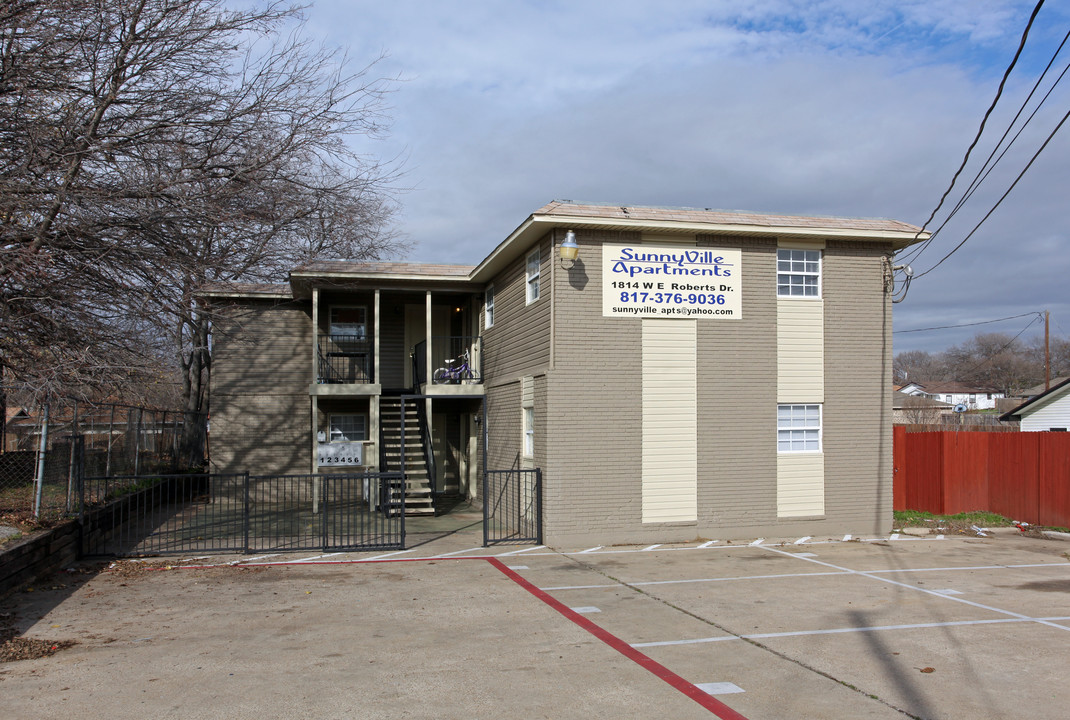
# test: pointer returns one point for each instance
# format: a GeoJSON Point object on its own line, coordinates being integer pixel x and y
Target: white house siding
{"type": "Point", "coordinates": [1055, 414]}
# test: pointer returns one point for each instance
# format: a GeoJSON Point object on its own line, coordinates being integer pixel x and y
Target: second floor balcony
{"type": "Point", "coordinates": [345, 359]}
{"type": "Point", "coordinates": [455, 360]}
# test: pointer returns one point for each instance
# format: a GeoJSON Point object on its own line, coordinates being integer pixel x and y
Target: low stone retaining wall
{"type": "Point", "coordinates": [24, 561]}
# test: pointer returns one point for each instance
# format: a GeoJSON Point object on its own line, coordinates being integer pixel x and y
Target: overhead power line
{"type": "Point", "coordinates": [1001, 198]}
{"type": "Point", "coordinates": [962, 325]}
{"type": "Point", "coordinates": [1006, 345]}
{"type": "Point", "coordinates": [984, 120]}
{"type": "Point", "coordinates": [989, 165]}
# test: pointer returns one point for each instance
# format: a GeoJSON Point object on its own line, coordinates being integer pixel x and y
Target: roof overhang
{"type": "Point", "coordinates": [1037, 401]}
{"type": "Point", "coordinates": [539, 223]}
{"type": "Point", "coordinates": [302, 282]}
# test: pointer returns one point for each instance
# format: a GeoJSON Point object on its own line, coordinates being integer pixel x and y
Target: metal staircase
{"type": "Point", "coordinates": [419, 491]}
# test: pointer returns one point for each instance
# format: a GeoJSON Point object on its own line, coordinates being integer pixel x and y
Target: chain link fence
{"type": "Point", "coordinates": [45, 447]}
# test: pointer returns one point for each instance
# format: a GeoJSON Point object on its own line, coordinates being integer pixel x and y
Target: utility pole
{"type": "Point", "coordinates": [1047, 353]}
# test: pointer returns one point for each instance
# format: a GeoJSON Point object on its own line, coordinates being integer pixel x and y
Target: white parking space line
{"type": "Point", "coordinates": [802, 540]}
{"type": "Point", "coordinates": [317, 557]}
{"type": "Point", "coordinates": [759, 541]}
{"type": "Point", "coordinates": [456, 552]}
{"type": "Point", "coordinates": [517, 567]}
{"type": "Point", "coordinates": [650, 547]}
{"type": "Point", "coordinates": [585, 610]}
{"type": "Point", "coordinates": [846, 630]}
{"type": "Point", "coordinates": [524, 550]}
{"type": "Point", "coordinates": [846, 538]}
{"type": "Point", "coordinates": [580, 587]}
{"type": "Point", "coordinates": [915, 588]}
{"type": "Point", "coordinates": [686, 581]}
{"type": "Point", "coordinates": [719, 688]}
{"type": "Point", "coordinates": [706, 544]}
{"type": "Point", "coordinates": [589, 550]}
{"type": "Point", "coordinates": [390, 554]}
{"type": "Point", "coordinates": [252, 559]}
{"type": "Point", "coordinates": [648, 583]}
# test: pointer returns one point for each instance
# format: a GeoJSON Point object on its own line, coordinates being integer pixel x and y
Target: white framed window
{"type": "Point", "coordinates": [798, 428]}
{"type": "Point", "coordinates": [534, 263]}
{"type": "Point", "coordinates": [348, 427]}
{"type": "Point", "coordinates": [529, 432]}
{"type": "Point", "coordinates": [351, 321]}
{"type": "Point", "coordinates": [947, 399]}
{"type": "Point", "coordinates": [798, 273]}
{"type": "Point", "coordinates": [488, 307]}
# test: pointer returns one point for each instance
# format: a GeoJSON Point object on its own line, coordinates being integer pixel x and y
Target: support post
{"type": "Point", "coordinates": [42, 450]}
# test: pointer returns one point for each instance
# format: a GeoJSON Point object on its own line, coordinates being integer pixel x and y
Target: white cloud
{"type": "Point", "coordinates": [827, 107]}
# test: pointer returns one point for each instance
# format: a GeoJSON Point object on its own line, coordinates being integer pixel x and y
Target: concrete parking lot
{"type": "Point", "coordinates": [948, 627]}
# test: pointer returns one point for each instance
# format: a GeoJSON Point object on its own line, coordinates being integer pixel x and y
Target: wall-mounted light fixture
{"type": "Point", "coordinates": [569, 249]}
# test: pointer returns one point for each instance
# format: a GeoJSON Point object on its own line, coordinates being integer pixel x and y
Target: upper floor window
{"type": "Point", "coordinates": [351, 321]}
{"type": "Point", "coordinates": [798, 273]}
{"type": "Point", "coordinates": [488, 307]}
{"type": "Point", "coordinates": [534, 263]}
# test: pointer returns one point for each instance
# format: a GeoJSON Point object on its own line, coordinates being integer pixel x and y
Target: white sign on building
{"type": "Point", "coordinates": [671, 281]}
{"type": "Point", "coordinates": [337, 454]}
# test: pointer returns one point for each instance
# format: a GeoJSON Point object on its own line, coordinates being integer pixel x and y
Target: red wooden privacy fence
{"type": "Point", "coordinates": [1024, 476]}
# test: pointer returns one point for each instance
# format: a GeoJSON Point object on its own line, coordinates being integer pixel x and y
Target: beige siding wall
{"type": "Point", "coordinates": [800, 351]}
{"type": "Point", "coordinates": [670, 442]}
{"type": "Point", "coordinates": [519, 342]}
{"type": "Point", "coordinates": [857, 411]}
{"type": "Point", "coordinates": [261, 371]}
{"type": "Point", "coordinates": [800, 485]}
{"type": "Point", "coordinates": [392, 351]}
{"type": "Point", "coordinates": [503, 426]}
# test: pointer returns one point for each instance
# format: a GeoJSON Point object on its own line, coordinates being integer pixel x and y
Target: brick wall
{"type": "Point", "coordinates": [858, 369]}
{"type": "Point", "coordinates": [592, 472]}
{"type": "Point", "coordinates": [261, 371]}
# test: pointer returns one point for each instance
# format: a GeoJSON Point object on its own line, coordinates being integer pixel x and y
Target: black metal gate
{"type": "Point", "coordinates": [512, 506]}
{"type": "Point", "coordinates": [215, 512]}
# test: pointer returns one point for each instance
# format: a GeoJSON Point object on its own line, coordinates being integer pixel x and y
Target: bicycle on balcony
{"type": "Point", "coordinates": [456, 371]}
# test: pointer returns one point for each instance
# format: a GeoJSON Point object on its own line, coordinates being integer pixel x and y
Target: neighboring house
{"type": "Point", "coordinates": [1048, 411]}
{"type": "Point", "coordinates": [956, 393]}
{"type": "Point", "coordinates": [694, 373]}
{"type": "Point", "coordinates": [918, 409]}
{"type": "Point", "coordinates": [13, 417]}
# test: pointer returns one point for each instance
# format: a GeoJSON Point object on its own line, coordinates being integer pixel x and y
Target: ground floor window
{"type": "Point", "coordinates": [348, 427]}
{"type": "Point", "coordinates": [529, 432]}
{"type": "Point", "coordinates": [798, 428]}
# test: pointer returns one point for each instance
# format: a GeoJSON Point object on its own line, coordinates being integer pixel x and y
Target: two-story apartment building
{"type": "Point", "coordinates": [692, 373]}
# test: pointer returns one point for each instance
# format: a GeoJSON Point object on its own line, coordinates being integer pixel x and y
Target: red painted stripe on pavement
{"type": "Point", "coordinates": [704, 699]}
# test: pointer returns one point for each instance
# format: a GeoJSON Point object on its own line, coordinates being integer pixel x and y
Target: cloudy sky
{"type": "Point", "coordinates": [820, 107]}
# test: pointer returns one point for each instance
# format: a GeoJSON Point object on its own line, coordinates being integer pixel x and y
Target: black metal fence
{"type": "Point", "coordinates": [242, 513]}
{"type": "Point", "coordinates": [512, 506]}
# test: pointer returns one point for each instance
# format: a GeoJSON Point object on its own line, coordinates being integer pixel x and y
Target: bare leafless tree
{"type": "Point", "coordinates": [151, 146]}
